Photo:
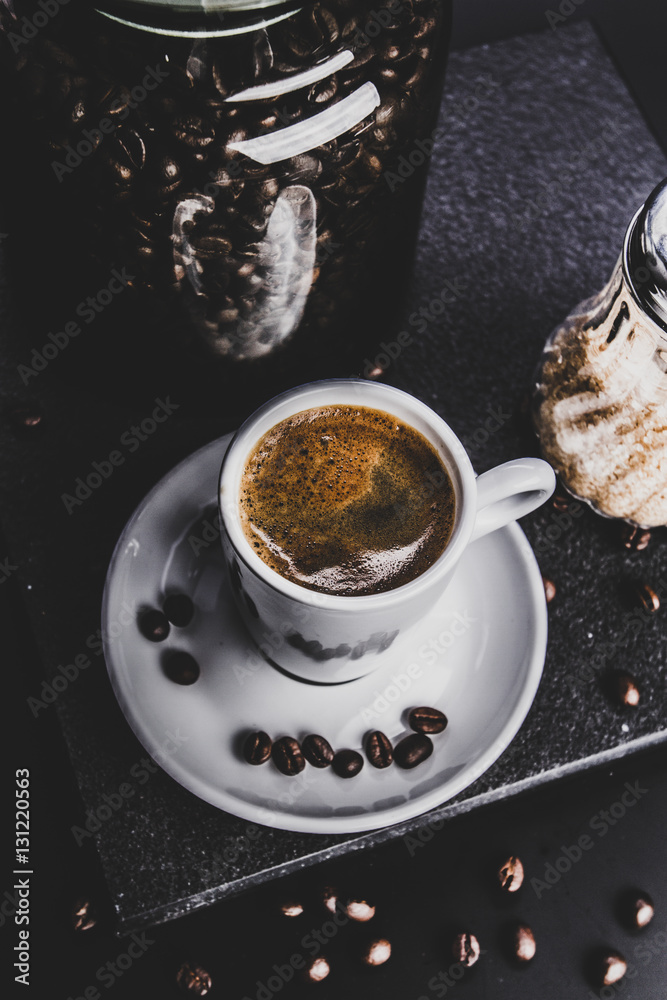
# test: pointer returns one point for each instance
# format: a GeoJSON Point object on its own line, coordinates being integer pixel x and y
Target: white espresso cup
{"type": "Point", "coordinates": [329, 638]}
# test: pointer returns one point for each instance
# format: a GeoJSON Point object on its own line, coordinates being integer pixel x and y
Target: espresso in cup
{"type": "Point", "coordinates": [346, 500]}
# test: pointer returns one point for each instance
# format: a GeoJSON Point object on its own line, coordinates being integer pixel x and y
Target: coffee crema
{"type": "Point", "coordinates": [346, 500]}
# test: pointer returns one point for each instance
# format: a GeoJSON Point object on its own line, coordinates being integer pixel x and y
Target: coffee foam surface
{"type": "Point", "coordinates": [346, 500]}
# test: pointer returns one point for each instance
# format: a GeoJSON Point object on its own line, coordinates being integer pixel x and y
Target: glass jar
{"type": "Point", "coordinates": [252, 169]}
{"type": "Point", "coordinates": [600, 402]}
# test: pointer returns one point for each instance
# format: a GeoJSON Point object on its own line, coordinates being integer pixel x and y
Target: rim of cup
{"type": "Point", "coordinates": [348, 392]}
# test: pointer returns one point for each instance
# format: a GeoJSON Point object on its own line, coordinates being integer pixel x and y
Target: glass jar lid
{"type": "Point", "coordinates": [646, 258]}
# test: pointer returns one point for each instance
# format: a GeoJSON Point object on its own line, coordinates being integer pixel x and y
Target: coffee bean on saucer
{"type": "Point", "coordinates": [377, 953]}
{"type": "Point", "coordinates": [257, 747]}
{"type": "Point", "coordinates": [180, 667]}
{"type": "Point", "coordinates": [611, 969]}
{"type": "Point", "coordinates": [83, 915]}
{"type": "Point", "coordinates": [291, 909]}
{"type": "Point", "coordinates": [317, 750]}
{"type": "Point", "coordinates": [625, 690]}
{"type": "Point", "coordinates": [359, 910]}
{"type": "Point", "coordinates": [634, 539]}
{"type": "Point", "coordinates": [427, 720]}
{"type": "Point", "coordinates": [645, 595]}
{"type": "Point", "coordinates": [641, 910]}
{"type": "Point", "coordinates": [317, 970]}
{"type": "Point", "coordinates": [412, 750]}
{"type": "Point", "coordinates": [510, 874]}
{"type": "Point", "coordinates": [378, 750]}
{"type": "Point", "coordinates": [193, 980]}
{"type": "Point", "coordinates": [153, 625]}
{"type": "Point", "coordinates": [524, 946]}
{"type": "Point", "coordinates": [286, 755]}
{"type": "Point", "coordinates": [179, 609]}
{"type": "Point", "coordinates": [465, 949]}
{"type": "Point", "coordinates": [347, 763]}
{"type": "Point", "coordinates": [549, 589]}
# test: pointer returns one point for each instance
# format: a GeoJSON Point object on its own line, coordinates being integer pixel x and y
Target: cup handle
{"type": "Point", "coordinates": [509, 491]}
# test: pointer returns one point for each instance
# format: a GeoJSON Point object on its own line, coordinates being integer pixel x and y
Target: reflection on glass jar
{"type": "Point", "coordinates": [600, 405]}
{"type": "Point", "coordinates": [234, 160]}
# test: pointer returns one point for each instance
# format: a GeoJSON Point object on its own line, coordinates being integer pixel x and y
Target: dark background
{"type": "Point", "coordinates": [425, 890]}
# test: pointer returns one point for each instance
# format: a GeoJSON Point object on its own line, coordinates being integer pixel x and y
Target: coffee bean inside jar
{"type": "Point", "coordinates": [258, 174]}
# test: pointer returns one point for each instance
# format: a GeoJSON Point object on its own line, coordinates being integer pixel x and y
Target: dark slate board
{"type": "Point", "coordinates": [541, 121]}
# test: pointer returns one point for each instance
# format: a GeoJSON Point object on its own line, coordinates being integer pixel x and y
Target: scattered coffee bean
{"type": "Point", "coordinates": [549, 589]}
{"type": "Point", "coordinates": [24, 418]}
{"type": "Point", "coordinates": [465, 949]}
{"type": "Point", "coordinates": [376, 372]}
{"type": "Point", "coordinates": [317, 970]}
{"type": "Point", "coordinates": [194, 980]}
{"type": "Point", "coordinates": [287, 756]}
{"type": "Point", "coordinates": [412, 750]}
{"type": "Point", "coordinates": [180, 667]}
{"type": "Point", "coordinates": [317, 750]}
{"type": "Point", "coordinates": [645, 595]}
{"type": "Point", "coordinates": [359, 910]}
{"type": "Point", "coordinates": [257, 747]}
{"type": "Point", "coordinates": [291, 909]}
{"type": "Point", "coordinates": [378, 750]}
{"type": "Point", "coordinates": [83, 915]}
{"type": "Point", "coordinates": [378, 952]}
{"type": "Point", "coordinates": [510, 874]}
{"type": "Point", "coordinates": [560, 501]}
{"type": "Point", "coordinates": [347, 763]}
{"type": "Point", "coordinates": [634, 539]}
{"type": "Point", "coordinates": [524, 943]}
{"type": "Point", "coordinates": [612, 969]}
{"type": "Point", "coordinates": [179, 609]}
{"type": "Point", "coordinates": [330, 899]}
{"type": "Point", "coordinates": [427, 720]}
{"type": "Point", "coordinates": [153, 625]}
{"type": "Point", "coordinates": [626, 690]}
{"type": "Point", "coordinates": [641, 910]}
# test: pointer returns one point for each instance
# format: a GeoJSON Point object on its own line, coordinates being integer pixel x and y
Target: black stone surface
{"type": "Point", "coordinates": [542, 120]}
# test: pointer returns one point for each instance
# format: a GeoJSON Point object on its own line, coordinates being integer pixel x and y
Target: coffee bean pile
{"type": "Point", "coordinates": [290, 757]}
{"type": "Point", "coordinates": [150, 175]}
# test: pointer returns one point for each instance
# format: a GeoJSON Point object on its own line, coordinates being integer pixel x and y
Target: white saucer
{"type": "Point", "coordinates": [484, 678]}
